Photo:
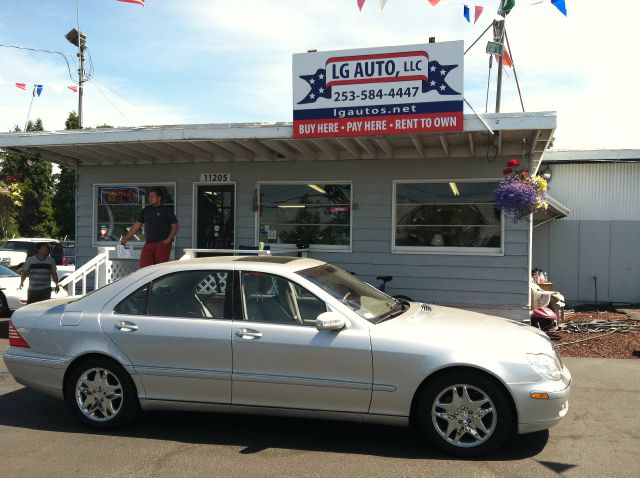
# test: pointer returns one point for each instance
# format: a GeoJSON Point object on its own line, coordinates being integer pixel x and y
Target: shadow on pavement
{"type": "Point", "coordinates": [25, 408]}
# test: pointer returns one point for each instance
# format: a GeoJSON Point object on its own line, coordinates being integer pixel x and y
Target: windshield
{"type": "Point", "coordinates": [22, 246]}
{"type": "Point", "coordinates": [364, 299]}
{"type": "Point", "coordinates": [6, 272]}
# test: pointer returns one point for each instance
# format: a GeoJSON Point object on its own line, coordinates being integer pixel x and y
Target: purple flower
{"type": "Point", "coordinates": [517, 197]}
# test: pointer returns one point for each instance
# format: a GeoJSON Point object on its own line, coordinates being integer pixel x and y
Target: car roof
{"type": "Point", "coordinates": [32, 239]}
{"type": "Point", "coordinates": [288, 262]}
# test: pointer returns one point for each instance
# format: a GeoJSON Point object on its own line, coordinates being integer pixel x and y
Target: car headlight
{"type": "Point", "coordinates": [545, 366]}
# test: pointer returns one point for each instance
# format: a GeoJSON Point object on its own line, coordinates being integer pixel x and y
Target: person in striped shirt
{"type": "Point", "coordinates": [40, 269]}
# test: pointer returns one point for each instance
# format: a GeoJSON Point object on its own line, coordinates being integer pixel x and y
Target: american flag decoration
{"type": "Point", "coordinates": [437, 79]}
{"type": "Point", "coordinates": [318, 84]}
{"type": "Point", "coordinates": [137, 2]}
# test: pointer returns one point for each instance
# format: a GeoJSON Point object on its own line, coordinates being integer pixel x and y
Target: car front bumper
{"type": "Point", "coordinates": [535, 414]}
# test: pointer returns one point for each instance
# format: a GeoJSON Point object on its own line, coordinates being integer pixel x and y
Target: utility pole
{"type": "Point", "coordinates": [81, 82]}
{"type": "Point", "coordinates": [499, 37]}
{"type": "Point", "coordinates": [76, 37]}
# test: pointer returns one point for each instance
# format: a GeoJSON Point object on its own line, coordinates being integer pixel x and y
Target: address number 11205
{"type": "Point", "coordinates": [215, 177]}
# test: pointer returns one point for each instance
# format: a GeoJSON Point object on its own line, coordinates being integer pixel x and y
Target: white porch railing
{"type": "Point", "coordinates": [102, 270]}
{"type": "Point", "coordinates": [98, 266]}
{"type": "Point", "coordinates": [99, 271]}
{"type": "Point", "coordinates": [192, 253]}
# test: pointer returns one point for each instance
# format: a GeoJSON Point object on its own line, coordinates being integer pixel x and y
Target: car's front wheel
{"type": "Point", "coordinates": [465, 413]}
{"type": "Point", "coordinates": [101, 394]}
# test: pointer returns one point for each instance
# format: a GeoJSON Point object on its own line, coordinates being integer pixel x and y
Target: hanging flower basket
{"type": "Point", "coordinates": [519, 194]}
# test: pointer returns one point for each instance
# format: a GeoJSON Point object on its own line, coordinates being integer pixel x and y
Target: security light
{"type": "Point", "coordinates": [73, 35]}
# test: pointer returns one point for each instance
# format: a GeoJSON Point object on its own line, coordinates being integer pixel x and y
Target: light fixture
{"type": "Point", "coordinates": [454, 189]}
{"type": "Point", "coordinates": [317, 188]}
{"type": "Point", "coordinates": [291, 206]}
{"type": "Point", "coordinates": [74, 35]}
{"type": "Point", "coordinates": [546, 173]}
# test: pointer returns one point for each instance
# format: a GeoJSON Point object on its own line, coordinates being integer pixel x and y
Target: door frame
{"type": "Point", "coordinates": [194, 209]}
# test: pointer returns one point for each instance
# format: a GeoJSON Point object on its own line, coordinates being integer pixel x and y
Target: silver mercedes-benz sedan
{"type": "Point", "coordinates": [288, 336]}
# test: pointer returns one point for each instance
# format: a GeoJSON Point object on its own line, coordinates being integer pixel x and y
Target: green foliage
{"type": "Point", "coordinates": [35, 216]}
{"type": "Point", "coordinates": [64, 200]}
{"type": "Point", "coordinates": [73, 121]}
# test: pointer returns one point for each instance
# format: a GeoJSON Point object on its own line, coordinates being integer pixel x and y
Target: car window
{"type": "Point", "coordinates": [70, 254]}
{"type": "Point", "coordinates": [272, 298]}
{"type": "Point", "coordinates": [192, 294]}
{"type": "Point", "coordinates": [364, 299]}
{"type": "Point", "coordinates": [6, 272]}
{"type": "Point", "coordinates": [134, 304]}
{"type": "Point", "coordinates": [21, 246]}
{"type": "Point", "coordinates": [57, 253]}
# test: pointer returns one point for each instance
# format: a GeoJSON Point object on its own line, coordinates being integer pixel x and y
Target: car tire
{"type": "Point", "coordinates": [465, 414]}
{"type": "Point", "coordinates": [4, 306]}
{"type": "Point", "coordinates": [101, 394]}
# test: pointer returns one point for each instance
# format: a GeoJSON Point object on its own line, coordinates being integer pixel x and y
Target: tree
{"type": "Point", "coordinates": [65, 190]}
{"type": "Point", "coordinates": [33, 176]}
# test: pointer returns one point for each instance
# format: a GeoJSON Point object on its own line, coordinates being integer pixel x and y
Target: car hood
{"type": "Point", "coordinates": [465, 329]}
{"type": "Point", "coordinates": [14, 256]}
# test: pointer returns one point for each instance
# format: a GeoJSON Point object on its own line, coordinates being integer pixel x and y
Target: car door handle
{"type": "Point", "coordinates": [248, 334]}
{"type": "Point", "coordinates": [126, 326]}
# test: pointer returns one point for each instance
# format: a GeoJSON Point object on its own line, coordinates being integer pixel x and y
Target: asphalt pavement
{"type": "Point", "coordinates": [38, 437]}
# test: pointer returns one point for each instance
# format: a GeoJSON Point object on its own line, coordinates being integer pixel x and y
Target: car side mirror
{"type": "Point", "coordinates": [330, 321]}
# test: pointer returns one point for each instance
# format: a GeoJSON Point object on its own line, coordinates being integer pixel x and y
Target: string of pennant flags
{"type": "Point", "coordinates": [559, 4]}
{"type": "Point", "coordinates": [38, 87]}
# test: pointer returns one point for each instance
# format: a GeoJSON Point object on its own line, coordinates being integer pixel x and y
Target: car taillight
{"type": "Point", "coordinates": [15, 339]}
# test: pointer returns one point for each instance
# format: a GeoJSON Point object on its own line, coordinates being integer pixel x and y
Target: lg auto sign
{"type": "Point", "coordinates": [407, 89]}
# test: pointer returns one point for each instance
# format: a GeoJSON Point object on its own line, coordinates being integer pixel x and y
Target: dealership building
{"type": "Point", "coordinates": [408, 191]}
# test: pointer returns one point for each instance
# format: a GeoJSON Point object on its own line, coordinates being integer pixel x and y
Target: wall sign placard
{"type": "Point", "coordinates": [215, 177]}
{"type": "Point", "coordinates": [119, 195]}
{"type": "Point", "coordinates": [376, 91]}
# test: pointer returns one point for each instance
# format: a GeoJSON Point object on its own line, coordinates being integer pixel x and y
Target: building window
{"type": "Point", "coordinates": [316, 214]}
{"type": "Point", "coordinates": [449, 217]}
{"type": "Point", "coordinates": [117, 206]}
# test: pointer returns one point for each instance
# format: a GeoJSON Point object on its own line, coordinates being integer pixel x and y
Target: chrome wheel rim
{"type": "Point", "coordinates": [99, 394]}
{"type": "Point", "coordinates": [464, 415]}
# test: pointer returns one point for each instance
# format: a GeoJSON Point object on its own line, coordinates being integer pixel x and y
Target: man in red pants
{"type": "Point", "coordinates": [160, 227]}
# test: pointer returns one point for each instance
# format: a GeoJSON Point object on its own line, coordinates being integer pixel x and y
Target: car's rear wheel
{"type": "Point", "coordinates": [465, 413]}
{"type": "Point", "coordinates": [4, 306]}
{"type": "Point", "coordinates": [101, 394]}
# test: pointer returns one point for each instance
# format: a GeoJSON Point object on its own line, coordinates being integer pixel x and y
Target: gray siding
{"type": "Point", "coordinates": [490, 283]}
{"type": "Point", "coordinates": [600, 236]}
{"type": "Point", "coordinates": [574, 252]}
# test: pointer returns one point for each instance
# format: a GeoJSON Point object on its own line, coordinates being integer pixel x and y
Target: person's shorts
{"type": "Point", "coordinates": [38, 295]}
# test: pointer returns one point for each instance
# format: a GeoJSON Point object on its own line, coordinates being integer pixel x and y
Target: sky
{"type": "Point", "coordinates": [229, 61]}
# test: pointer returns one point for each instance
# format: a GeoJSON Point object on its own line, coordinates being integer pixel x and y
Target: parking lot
{"type": "Point", "coordinates": [39, 437]}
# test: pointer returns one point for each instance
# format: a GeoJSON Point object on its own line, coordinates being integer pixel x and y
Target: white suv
{"type": "Point", "coordinates": [14, 252]}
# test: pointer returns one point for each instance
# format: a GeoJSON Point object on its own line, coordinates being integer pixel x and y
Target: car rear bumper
{"type": "Point", "coordinates": [42, 374]}
{"type": "Point", "coordinates": [535, 414]}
